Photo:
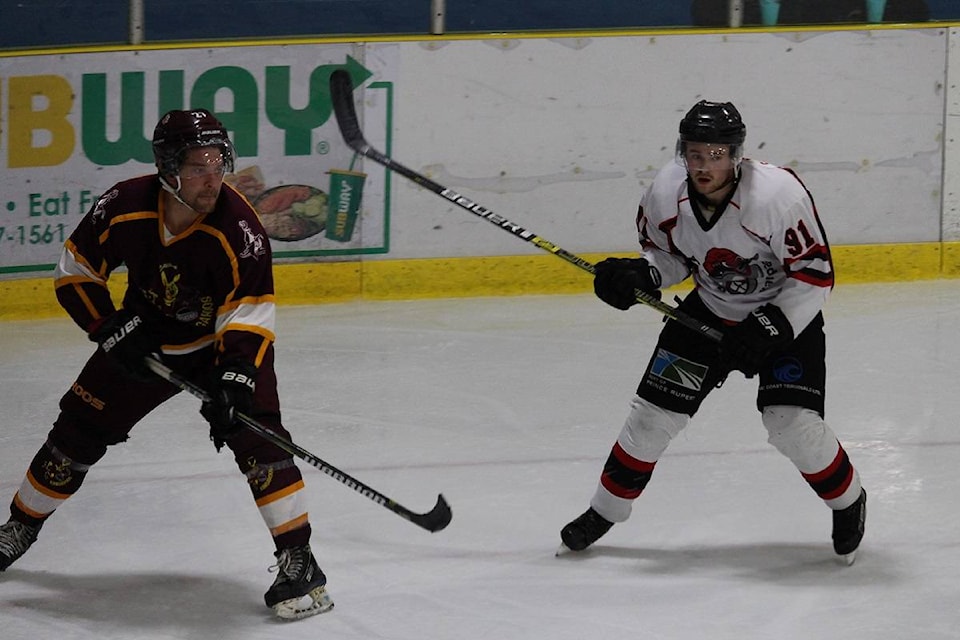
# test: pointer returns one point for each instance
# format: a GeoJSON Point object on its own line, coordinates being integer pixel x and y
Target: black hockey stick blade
{"type": "Point", "coordinates": [341, 94]}
{"type": "Point", "coordinates": [434, 520]}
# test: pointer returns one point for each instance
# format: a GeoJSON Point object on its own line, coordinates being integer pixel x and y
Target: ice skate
{"type": "Point", "coordinates": [583, 531]}
{"type": "Point", "coordinates": [299, 590]}
{"type": "Point", "coordinates": [15, 539]}
{"type": "Point", "coordinates": [848, 528]}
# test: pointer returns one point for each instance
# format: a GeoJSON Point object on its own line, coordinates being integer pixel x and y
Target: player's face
{"type": "Point", "coordinates": [710, 166]}
{"type": "Point", "coordinates": [201, 176]}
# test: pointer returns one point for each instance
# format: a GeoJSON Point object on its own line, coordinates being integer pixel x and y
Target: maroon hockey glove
{"type": "Point", "coordinates": [125, 337]}
{"type": "Point", "coordinates": [231, 392]}
{"type": "Point", "coordinates": [745, 346]}
{"type": "Point", "coordinates": [615, 280]}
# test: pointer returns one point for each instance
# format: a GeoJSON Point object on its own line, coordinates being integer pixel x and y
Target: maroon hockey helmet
{"type": "Point", "coordinates": [179, 130]}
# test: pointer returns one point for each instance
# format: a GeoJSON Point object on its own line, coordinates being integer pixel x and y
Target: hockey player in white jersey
{"type": "Point", "coordinates": [748, 235]}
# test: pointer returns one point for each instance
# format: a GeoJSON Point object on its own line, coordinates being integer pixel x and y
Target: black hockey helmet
{"type": "Point", "coordinates": [713, 122]}
{"type": "Point", "coordinates": [179, 130]}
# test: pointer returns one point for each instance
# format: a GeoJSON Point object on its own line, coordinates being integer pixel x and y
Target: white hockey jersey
{"type": "Point", "coordinates": [767, 246]}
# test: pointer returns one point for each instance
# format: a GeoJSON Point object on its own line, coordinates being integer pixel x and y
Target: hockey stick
{"type": "Point", "coordinates": [341, 93]}
{"type": "Point", "coordinates": [434, 520]}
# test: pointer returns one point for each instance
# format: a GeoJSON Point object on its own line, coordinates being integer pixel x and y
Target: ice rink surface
{"type": "Point", "coordinates": [507, 406]}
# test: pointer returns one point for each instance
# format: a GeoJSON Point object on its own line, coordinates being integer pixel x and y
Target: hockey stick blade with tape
{"type": "Point", "coordinates": [434, 520]}
{"type": "Point", "coordinates": [341, 94]}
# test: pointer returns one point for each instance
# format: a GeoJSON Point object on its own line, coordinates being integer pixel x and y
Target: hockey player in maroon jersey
{"type": "Point", "coordinates": [749, 236]}
{"type": "Point", "coordinates": [199, 295]}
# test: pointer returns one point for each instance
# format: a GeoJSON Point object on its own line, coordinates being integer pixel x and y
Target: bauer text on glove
{"type": "Point", "coordinates": [125, 337]}
{"type": "Point", "coordinates": [745, 346]}
{"type": "Point", "coordinates": [231, 393]}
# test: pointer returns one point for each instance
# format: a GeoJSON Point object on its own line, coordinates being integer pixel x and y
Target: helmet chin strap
{"type": "Point", "coordinates": [175, 192]}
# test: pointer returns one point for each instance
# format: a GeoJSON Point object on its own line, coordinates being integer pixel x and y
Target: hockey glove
{"type": "Point", "coordinates": [125, 337]}
{"type": "Point", "coordinates": [231, 393]}
{"type": "Point", "coordinates": [615, 280]}
{"type": "Point", "coordinates": [745, 346]}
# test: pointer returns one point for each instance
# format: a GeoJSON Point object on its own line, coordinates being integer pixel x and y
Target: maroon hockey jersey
{"type": "Point", "coordinates": [210, 284]}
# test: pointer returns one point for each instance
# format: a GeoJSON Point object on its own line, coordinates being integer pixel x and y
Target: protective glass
{"type": "Point", "coordinates": [210, 165]}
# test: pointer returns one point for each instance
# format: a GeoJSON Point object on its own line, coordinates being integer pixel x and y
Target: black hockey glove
{"type": "Point", "coordinates": [231, 392]}
{"type": "Point", "coordinates": [745, 346]}
{"type": "Point", "coordinates": [615, 279]}
{"type": "Point", "coordinates": [125, 337]}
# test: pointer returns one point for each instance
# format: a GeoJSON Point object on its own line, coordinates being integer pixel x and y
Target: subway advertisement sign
{"type": "Point", "coordinates": [72, 125]}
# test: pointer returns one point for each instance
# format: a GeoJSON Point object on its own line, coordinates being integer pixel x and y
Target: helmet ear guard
{"type": "Point", "coordinates": [179, 131]}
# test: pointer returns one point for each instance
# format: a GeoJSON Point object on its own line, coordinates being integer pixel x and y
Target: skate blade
{"type": "Point", "coordinates": [298, 608]}
{"type": "Point", "coordinates": [849, 559]}
{"type": "Point", "coordinates": [564, 550]}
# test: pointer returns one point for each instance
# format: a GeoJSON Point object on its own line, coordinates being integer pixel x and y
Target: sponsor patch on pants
{"type": "Point", "coordinates": [681, 372]}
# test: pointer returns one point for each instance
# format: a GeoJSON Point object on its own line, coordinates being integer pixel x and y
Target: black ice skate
{"type": "Point", "coordinates": [15, 539]}
{"type": "Point", "coordinates": [848, 527]}
{"type": "Point", "coordinates": [584, 531]}
{"type": "Point", "coordinates": [298, 577]}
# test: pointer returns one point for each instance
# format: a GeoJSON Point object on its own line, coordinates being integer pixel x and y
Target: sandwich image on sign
{"type": "Point", "coordinates": [292, 212]}
{"type": "Point", "coordinates": [288, 212]}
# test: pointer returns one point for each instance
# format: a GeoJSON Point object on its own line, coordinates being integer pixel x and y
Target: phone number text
{"type": "Point", "coordinates": [34, 234]}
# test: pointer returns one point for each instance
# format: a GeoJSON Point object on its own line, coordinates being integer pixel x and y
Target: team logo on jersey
{"type": "Point", "coordinates": [169, 277]}
{"type": "Point", "coordinates": [733, 273]}
{"type": "Point", "coordinates": [99, 210]}
{"type": "Point", "coordinates": [175, 299]}
{"type": "Point", "coordinates": [253, 243]}
{"type": "Point", "coordinates": [671, 368]}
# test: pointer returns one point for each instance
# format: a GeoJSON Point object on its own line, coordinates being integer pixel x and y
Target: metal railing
{"type": "Point", "coordinates": [102, 22]}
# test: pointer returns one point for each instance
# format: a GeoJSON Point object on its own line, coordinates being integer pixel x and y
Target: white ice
{"type": "Point", "coordinates": [507, 406]}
